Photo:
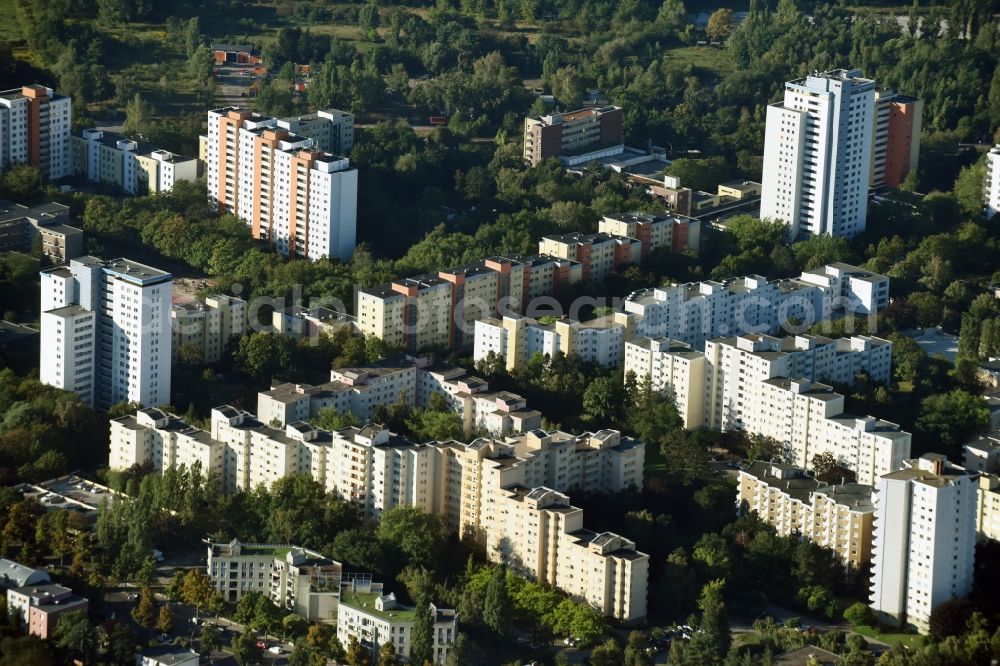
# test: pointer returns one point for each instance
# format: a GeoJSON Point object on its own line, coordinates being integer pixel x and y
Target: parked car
{"type": "Point", "coordinates": [275, 649]}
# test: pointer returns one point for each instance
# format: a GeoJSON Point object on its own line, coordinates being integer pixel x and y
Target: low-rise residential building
{"type": "Point", "coordinates": [599, 254]}
{"type": "Point", "coordinates": [515, 339]}
{"type": "Point", "coordinates": [42, 226]}
{"type": "Point", "coordinates": [410, 380]}
{"type": "Point", "coordinates": [983, 454]}
{"type": "Point", "coordinates": [102, 156]}
{"type": "Point", "coordinates": [300, 322]}
{"type": "Point", "coordinates": [988, 514]}
{"type": "Point", "coordinates": [202, 329]}
{"type": "Point", "coordinates": [296, 579]}
{"type": "Point", "coordinates": [440, 309]}
{"type": "Point", "coordinates": [39, 607]}
{"type": "Point", "coordinates": [836, 516]}
{"type": "Point", "coordinates": [674, 370]}
{"type": "Point", "coordinates": [924, 543]}
{"type": "Point", "coordinates": [167, 655]}
{"type": "Point", "coordinates": [676, 233]}
{"type": "Point", "coordinates": [374, 619]}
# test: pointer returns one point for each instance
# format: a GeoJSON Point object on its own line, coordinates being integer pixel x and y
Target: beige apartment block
{"type": "Point", "coordinates": [467, 484]}
{"type": "Point", "coordinates": [674, 370]}
{"type": "Point", "coordinates": [413, 380]}
{"type": "Point", "coordinates": [838, 517]}
{"type": "Point", "coordinates": [988, 514]}
{"type": "Point", "coordinates": [538, 533]}
{"type": "Point", "coordinates": [654, 231]}
{"type": "Point", "coordinates": [517, 339]}
{"type": "Point", "coordinates": [206, 327]}
{"type": "Point", "coordinates": [441, 309]}
{"type": "Point", "coordinates": [599, 254]}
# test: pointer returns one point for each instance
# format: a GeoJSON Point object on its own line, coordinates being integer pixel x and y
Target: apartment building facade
{"type": "Point", "coordinates": [734, 366]}
{"type": "Point", "coordinates": [300, 199]}
{"type": "Point", "coordinates": [105, 331]}
{"type": "Point", "coordinates": [203, 328]}
{"type": "Point", "coordinates": [674, 370]}
{"type": "Point", "coordinates": [375, 619]}
{"type": "Point", "coordinates": [406, 379]}
{"type": "Point", "coordinates": [295, 579]}
{"type": "Point", "coordinates": [469, 485]}
{"type": "Point", "coordinates": [516, 339]}
{"type": "Point", "coordinates": [988, 514]}
{"type": "Point", "coordinates": [599, 254]}
{"type": "Point", "coordinates": [991, 186]}
{"type": "Point", "coordinates": [895, 137]}
{"type": "Point", "coordinates": [817, 154]}
{"type": "Point", "coordinates": [574, 137]}
{"type": "Point", "coordinates": [35, 124]}
{"type": "Point", "coordinates": [331, 129]}
{"type": "Point", "coordinates": [836, 516]}
{"type": "Point", "coordinates": [695, 312]}
{"type": "Point", "coordinates": [809, 418]}
{"type": "Point", "coordinates": [440, 310]}
{"type": "Point", "coordinates": [537, 532]}
{"type": "Point", "coordinates": [21, 227]}
{"type": "Point", "coordinates": [102, 156]}
{"type": "Point", "coordinates": [39, 607]}
{"type": "Point", "coordinates": [676, 233]}
{"type": "Point", "coordinates": [924, 541]}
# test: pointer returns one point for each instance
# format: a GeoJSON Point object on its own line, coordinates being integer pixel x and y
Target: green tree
{"type": "Point", "coordinates": [713, 617]}
{"type": "Point", "coordinates": [145, 611]}
{"type": "Point", "coordinates": [22, 183]}
{"type": "Point", "coordinates": [244, 649]}
{"type": "Point", "coordinates": [165, 619]}
{"type": "Point", "coordinates": [357, 654]}
{"type": "Point", "coordinates": [210, 638]}
{"type": "Point", "coordinates": [496, 603]}
{"type": "Point", "coordinates": [121, 645]}
{"type": "Point", "coordinates": [858, 614]}
{"type": "Point", "coordinates": [368, 20]}
{"type": "Point", "coordinates": [197, 589]}
{"type": "Point", "coordinates": [969, 189]}
{"type": "Point", "coordinates": [603, 399]}
{"type": "Point", "coordinates": [138, 118]}
{"type": "Point", "coordinates": [608, 653]}
{"type": "Point", "coordinates": [199, 65]}
{"type": "Point", "coordinates": [387, 654]}
{"type": "Point", "coordinates": [75, 634]}
{"type": "Point", "coordinates": [720, 24]}
{"type": "Point", "coordinates": [422, 635]}
{"type": "Point", "coordinates": [951, 419]}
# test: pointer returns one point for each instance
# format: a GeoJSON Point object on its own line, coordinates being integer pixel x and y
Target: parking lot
{"type": "Point", "coordinates": [234, 82]}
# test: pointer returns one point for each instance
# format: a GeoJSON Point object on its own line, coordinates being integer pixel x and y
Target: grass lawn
{"type": "Point", "coordinates": [709, 62]}
{"type": "Point", "coordinates": [654, 465]}
{"type": "Point", "coordinates": [891, 638]}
